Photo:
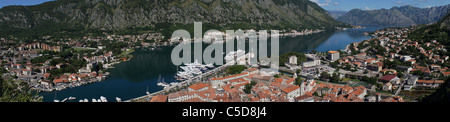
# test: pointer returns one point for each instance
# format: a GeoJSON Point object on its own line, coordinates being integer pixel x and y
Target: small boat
{"type": "Point", "coordinates": [72, 98]}
{"type": "Point", "coordinates": [94, 100]}
{"type": "Point", "coordinates": [210, 65]}
{"type": "Point", "coordinates": [81, 101]}
{"type": "Point", "coordinates": [103, 99]}
{"type": "Point", "coordinates": [118, 99]}
{"type": "Point", "coordinates": [56, 101]}
{"type": "Point", "coordinates": [86, 100]}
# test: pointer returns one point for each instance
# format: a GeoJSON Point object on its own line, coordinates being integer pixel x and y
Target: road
{"type": "Point", "coordinates": [399, 89]}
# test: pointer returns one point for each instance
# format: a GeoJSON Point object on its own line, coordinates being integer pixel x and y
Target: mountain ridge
{"type": "Point", "coordinates": [123, 14]}
{"type": "Point", "coordinates": [395, 17]}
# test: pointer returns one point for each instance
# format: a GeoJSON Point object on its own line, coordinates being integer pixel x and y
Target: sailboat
{"type": "Point", "coordinates": [148, 93]}
{"type": "Point", "coordinates": [54, 98]}
{"type": "Point", "coordinates": [161, 83]}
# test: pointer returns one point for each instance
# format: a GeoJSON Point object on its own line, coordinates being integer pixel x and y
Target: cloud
{"type": "Point", "coordinates": [326, 3]}
{"type": "Point", "coordinates": [399, 2]}
{"type": "Point", "coordinates": [336, 3]}
{"type": "Point", "coordinates": [367, 8]}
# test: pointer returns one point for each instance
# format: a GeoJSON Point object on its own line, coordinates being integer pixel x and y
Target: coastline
{"type": "Point", "coordinates": [150, 46]}
{"type": "Point", "coordinates": [149, 96]}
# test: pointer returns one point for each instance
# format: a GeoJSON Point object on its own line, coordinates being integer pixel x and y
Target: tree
{"type": "Point", "coordinates": [370, 80]}
{"type": "Point", "coordinates": [235, 69]}
{"type": "Point", "coordinates": [11, 92]}
{"type": "Point", "coordinates": [248, 87]}
{"type": "Point", "coordinates": [366, 71]}
{"type": "Point", "coordinates": [315, 94]}
{"type": "Point", "coordinates": [418, 73]}
{"type": "Point", "coordinates": [298, 81]}
{"type": "Point", "coordinates": [325, 76]}
{"type": "Point", "coordinates": [335, 78]}
{"type": "Point", "coordinates": [400, 74]}
{"type": "Point", "coordinates": [301, 57]}
{"type": "Point", "coordinates": [298, 71]}
{"type": "Point", "coordinates": [276, 76]}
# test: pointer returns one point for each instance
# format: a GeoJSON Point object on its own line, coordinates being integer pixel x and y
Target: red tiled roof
{"type": "Point", "coordinates": [58, 81]}
{"type": "Point", "coordinates": [388, 77]}
{"type": "Point", "coordinates": [333, 52]}
{"type": "Point", "coordinates": [198, 86]}
{"type": "Point", "coordinates": [222, 78]}
{"type": "Point", "coordinates": [290, 88]}
{"type": "Point", "coordinates": [159, 98]}
{"type": "Point", "coordinates": [279, 80]}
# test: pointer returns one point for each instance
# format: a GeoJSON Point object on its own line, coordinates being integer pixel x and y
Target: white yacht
{"type": "Point", "coordinates": [210, 65]}
{"type": "Point", "coordinates": [103, 99]}
{"type": "Point", "coordinates": [118, 99]}
{"type": "Point", "coordinates": [72, 98]}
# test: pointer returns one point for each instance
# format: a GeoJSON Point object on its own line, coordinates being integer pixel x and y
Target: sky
{"type": "Point", "coordinates": [4, 3]}
{"type": "Point", "coordinates": [344, 5]}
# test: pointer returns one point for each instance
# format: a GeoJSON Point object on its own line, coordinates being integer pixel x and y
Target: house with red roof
{"type": "Point", "coordinates": [198, 87]}
{"type": "Point", "coordinates": [390, 79]}
{"type": "Point", "coordinates": [291, 92]}
{"type": "Point", "coordinates": [159, 98]}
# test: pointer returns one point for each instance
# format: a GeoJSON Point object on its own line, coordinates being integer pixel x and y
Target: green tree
{"type": "Point", "coordinates": [11, 92]}
{"type": "Point", "coordinates": [298, 81]}
{"type": "Point", "coordinates": [315, 94]}
{"type": "Point", "coordinates": [301, 57]}
{"type": "Point", "coordinates": [325, 76]}
{"type": "Point", "coordinates": [235, 69]}
{"type": "Point", "coordinates": [335, 78]}
{"type": "Point", "coordinates": [248, 87]}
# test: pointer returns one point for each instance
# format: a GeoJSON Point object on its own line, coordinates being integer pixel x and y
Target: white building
{"type": "Point", "coordinates": [312, 60]}
{"type": "Point", "coordinates": [311, 63]}
{"type": "Point", "coordinates": [293, 60]}
{"type": "Point", "coordinates": [333, 55]}
{"type": "Point", "coordinates": [291, 92]}
{"type": "Point", "coordinates": [308, 85]}
{"type": "Point", "coordinates": [406, 58]}
{"type": "Point", "coordinates": [219, 82]}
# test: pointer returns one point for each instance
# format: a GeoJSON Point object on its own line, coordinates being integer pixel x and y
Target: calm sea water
{"type": "Point", "coordinates": [131, 79]}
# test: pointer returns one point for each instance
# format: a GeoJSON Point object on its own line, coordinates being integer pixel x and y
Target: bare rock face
{"type": "Point", "coordinates": [396, 16]}
{"type": "Point", "coordinates": [122, 14]}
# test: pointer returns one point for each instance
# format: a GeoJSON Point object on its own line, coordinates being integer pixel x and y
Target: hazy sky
{"type": "Point", "coordinates": [326, 4]}
{"type": "Point", "coordinates": [21, 2]}
{"type": "Point", "coordinates": [376, 4]}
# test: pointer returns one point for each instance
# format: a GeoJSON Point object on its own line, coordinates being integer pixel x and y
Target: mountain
{"type": "Point", "coordinates": [439, 31]}
{"type": "Point", "coordinates": [336, 13]}
{"type": "Point", "coordinates": [395, 17]}
{"type": "Point", "coordinates": [82, 15]}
